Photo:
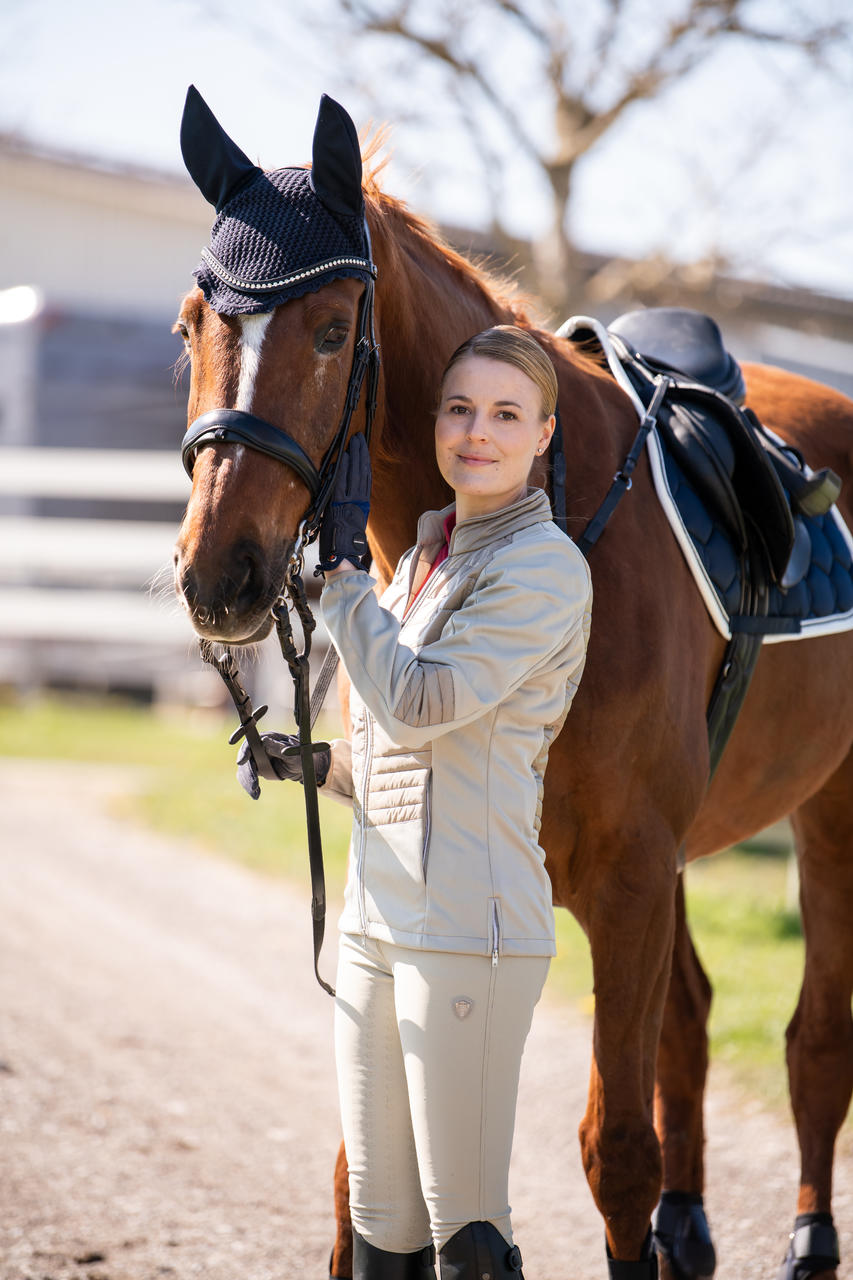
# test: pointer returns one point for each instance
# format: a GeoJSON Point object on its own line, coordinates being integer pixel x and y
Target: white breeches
{"type": "Point", "coordinates": [428, 1047]}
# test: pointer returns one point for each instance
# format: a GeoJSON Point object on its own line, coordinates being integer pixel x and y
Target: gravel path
{"type": "Point", "coordinates": [168, 1106]}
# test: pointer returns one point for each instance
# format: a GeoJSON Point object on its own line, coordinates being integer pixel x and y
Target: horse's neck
{"type": "Point", "coordinates": [426, 307]}
{"type": "Point", "coordinates": [428, 302]}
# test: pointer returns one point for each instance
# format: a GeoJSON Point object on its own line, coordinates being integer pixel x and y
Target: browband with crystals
{"type": "Point", "coordinates": [284, 282]}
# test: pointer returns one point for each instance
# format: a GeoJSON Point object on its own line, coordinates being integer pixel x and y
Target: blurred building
{"type": "Point", "coordinates": [93, 263]}
{"type": "Point", "coordinates": [94, 260]}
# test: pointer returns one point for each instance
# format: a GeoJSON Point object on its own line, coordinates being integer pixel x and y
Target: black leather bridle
{"type": "Point", "coordinates": [235, 426]}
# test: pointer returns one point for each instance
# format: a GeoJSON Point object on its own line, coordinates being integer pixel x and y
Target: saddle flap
{"type": "Point", "coordinates": [707, 459]}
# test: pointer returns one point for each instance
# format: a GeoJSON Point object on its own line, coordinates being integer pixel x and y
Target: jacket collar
{"type": "Point", "coordinates": [470, 535]}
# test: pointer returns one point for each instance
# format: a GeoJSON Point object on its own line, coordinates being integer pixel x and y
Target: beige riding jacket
{"type": "Point", "coordinates": [455, 702]}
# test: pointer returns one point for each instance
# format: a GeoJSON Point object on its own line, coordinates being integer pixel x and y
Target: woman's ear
{"type": "Point", "coordinates": [547, 431]}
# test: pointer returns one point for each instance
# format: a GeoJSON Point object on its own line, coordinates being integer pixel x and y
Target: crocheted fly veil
{"type": "Point", "coordinates": [280, 234]}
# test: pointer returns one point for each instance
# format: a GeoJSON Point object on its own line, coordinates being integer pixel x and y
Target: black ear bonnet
{"type": "Point", "coordinates": [281, 234]}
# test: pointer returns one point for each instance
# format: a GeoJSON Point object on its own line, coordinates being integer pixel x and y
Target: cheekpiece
{"type": "Point", "coordinates": [279, 234]}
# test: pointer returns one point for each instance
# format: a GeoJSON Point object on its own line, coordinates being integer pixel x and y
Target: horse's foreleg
{"type": "Point", "coordinates": [820, 1034]}
{"type": "Point", "coordinates": [340, 1265]}
{"type": "Point", "coordinates": [630, 927]}
{"type": "Point", "coordinates": [681, 1228]}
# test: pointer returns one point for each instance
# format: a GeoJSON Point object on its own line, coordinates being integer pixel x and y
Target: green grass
{"type": "Point", "coordinates": [187, 782]}
{"type": "Point", "coordinates": [747, 937]}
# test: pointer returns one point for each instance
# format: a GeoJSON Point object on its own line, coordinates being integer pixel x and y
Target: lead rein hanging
{"type": "Point", "coordinates": [366, 362]}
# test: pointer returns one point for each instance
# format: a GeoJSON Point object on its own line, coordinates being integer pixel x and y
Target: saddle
{"type": "Point", "coordinates": [750, 507]}
{"type": "Point", "coordinates": [753, 483]}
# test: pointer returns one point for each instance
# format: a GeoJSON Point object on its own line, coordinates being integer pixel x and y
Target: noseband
{"type": "Point", "coordinates": [235, 426]}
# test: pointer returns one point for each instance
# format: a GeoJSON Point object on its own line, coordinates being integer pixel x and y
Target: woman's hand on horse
{"type": "Point", "coordinates": [286, 762]}
{"type": "Point", "coordinates": [343, 531]}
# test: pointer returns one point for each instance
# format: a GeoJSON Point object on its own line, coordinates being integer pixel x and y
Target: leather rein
{"type": "Point", "coordinates": [234, 426]}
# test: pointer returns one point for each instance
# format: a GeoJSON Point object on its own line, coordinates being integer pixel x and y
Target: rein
{"type": "Point", "coordinates": [234, 426]}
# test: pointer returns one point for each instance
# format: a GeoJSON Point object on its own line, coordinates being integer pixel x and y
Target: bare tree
{"type": "Point", "coordinates": [549, 79]}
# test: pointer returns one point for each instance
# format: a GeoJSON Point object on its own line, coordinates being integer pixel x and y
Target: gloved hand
{"type": "Point", "coordinates": [342, 533]}
{"type": "Point", "coordinates": [286, 766]}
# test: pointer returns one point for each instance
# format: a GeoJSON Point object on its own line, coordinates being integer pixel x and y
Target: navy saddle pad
{"type": "Point", "coordinates": [818, 597]}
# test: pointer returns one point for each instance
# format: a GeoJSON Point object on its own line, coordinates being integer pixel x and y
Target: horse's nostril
{"type": "Point", "coordinates": [187, 587]}
{"type": "Point", "coordinates": [248, 578]}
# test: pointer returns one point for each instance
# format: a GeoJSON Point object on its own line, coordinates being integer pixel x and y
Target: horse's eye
{"type": "Point", "coordinates": [331, 337]}
{"type": "Point", "coordinates": [180, 328]}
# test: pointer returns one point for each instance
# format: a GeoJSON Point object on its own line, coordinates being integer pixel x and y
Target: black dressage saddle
{"type": "Point", "coordinates": [759, 518]}
{"type": "Point", "coordinates": [754, 484]}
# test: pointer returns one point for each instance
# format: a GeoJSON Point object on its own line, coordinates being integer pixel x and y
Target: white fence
{"type": "Point", "coordinates": [90, 601]}
{"type": "Point", "coordinates": [79, 600]}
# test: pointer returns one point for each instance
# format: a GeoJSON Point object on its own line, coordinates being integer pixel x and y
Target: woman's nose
{"type": "Point", "coordinates": [476, 427]}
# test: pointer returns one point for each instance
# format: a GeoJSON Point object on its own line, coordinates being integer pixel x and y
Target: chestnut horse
{"type": "Point", "coordinates": [627, 785]}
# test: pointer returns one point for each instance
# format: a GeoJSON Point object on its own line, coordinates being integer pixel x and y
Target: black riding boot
{"type": "Point", "coordinates": [477, 1251]}
{"type": "Point", "coordinates": [370, 1263]}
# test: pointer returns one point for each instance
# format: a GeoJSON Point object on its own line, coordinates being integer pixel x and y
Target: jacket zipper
{"type": "Point", "coordinates": [427, 824]}
{"type": "Point", "coordinates": [368, 760]}
{"type": "Point", "coordinates": [496, 933]}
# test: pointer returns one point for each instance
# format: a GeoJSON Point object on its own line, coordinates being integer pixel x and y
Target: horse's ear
{"type": "Point", "coordinates": [216, 164]}
{"type": "Point", "coordinates": [336, 159]}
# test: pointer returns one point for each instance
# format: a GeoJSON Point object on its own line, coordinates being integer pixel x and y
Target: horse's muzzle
{"type": "Point", "coordinates": [234, 606]}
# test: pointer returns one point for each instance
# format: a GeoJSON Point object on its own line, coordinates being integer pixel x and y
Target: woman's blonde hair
{"type": "Point", "coordinates": [508, 343]}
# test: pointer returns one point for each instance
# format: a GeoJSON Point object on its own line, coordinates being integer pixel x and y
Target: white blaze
{"type": "Point", "coordinates": [252, 332]}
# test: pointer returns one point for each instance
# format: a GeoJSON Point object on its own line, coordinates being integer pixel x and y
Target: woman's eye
{"type": "Point", "coordinates": [507, 415]}
{"type": "Point", "coordinates": [459, 409]}
{"type": "Point", "coordinates": [332, 337]}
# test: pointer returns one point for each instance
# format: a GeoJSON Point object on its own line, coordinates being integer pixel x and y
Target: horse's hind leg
{"type": "Point", "coordinates": [340, 1263]}
{"type": "Point", "coordinates": [681, 1229]}
{"type": "Point", "coordinates": [820, 1034]}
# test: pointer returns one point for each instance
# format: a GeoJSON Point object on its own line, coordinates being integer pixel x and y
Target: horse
{"type": "Point", "coordinates": [627, 794]}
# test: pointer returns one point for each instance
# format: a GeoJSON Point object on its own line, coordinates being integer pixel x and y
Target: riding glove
{"type": "Point", "coordinates": [288, 767]}
{"type": "Point", "coordinates": [342, 532]}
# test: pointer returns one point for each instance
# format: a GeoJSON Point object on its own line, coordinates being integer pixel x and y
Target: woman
{"type": "Point", "coordinates": [461, 677]}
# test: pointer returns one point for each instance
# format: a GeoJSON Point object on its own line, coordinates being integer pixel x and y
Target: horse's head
{"type": "Point", "coordinates": [288, 271]}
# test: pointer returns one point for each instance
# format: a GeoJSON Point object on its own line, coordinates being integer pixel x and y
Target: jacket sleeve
{"type": "Point", "coordinates": [524, 609]}
{"type": "Point", "coordinates": [338, 784]}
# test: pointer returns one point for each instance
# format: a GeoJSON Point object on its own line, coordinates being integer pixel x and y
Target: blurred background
{"type": "Point", "coordinates": [608, 155]}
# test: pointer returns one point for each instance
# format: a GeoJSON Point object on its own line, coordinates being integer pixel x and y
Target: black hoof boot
{"type": "Point", "coordinates": [681, 1236]}
{"type": "Point", "coordinates": [645, 1268]}
{"type": "Point", "coordinates": [478, 1251]}
{"type": "Point", "coordinates": [813, 1247]}
{"type": "Point", "coordinates": [370, 1263]}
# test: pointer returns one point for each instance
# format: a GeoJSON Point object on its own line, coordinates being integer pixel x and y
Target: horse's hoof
{"type": "Point", "coordinates": [812, 1249]}
{"type": "Point", "coordinates": [682, 1236]}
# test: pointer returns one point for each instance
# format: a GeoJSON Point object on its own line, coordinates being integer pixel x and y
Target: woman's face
{"type": "Point", "coordinates": [488, 431]}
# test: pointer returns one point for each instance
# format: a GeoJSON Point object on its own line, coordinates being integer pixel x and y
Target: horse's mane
{"type": "Point", "coordinates": [499, 288]}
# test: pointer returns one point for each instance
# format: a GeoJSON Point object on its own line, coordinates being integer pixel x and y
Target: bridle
{"type": "Point", "coordinates": [235, 426]}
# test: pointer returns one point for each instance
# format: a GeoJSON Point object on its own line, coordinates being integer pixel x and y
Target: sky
{"type": "Point", "coordinates": [749, 155]}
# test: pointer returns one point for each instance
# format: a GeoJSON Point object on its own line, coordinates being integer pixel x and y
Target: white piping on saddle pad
{"type": "Point", "coordinates": [808, 627]}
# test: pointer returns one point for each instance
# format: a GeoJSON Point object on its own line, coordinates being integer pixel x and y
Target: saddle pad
{"type": "Point", "coordinates": [820, 604]}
